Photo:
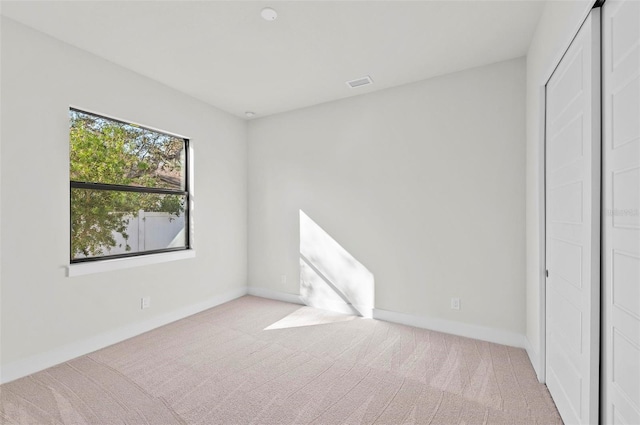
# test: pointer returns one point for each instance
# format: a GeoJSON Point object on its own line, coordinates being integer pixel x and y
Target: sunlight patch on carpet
{"type": "Point", "coordinates": [308, 316]}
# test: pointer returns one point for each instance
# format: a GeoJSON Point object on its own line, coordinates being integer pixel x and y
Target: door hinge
{"type": "Point", "coordinates": [546, 273]}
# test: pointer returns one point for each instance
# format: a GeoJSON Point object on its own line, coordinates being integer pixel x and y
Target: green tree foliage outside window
{"type": "Point", "coordinates": [117, 154]}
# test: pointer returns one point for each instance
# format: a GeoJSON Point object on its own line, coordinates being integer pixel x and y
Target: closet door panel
{"type": "Point", "coordinates": [621, 215]}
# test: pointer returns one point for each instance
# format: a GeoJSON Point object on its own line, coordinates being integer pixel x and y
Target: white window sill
{"type": "Point", "coordinates": [80, 269]}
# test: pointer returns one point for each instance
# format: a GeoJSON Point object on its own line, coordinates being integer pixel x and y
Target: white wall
{"type": "Point", "coordinates": [42, 309]}
{"type": "Point", "coordinates": [423, 184]}
{"type": "Point", "coordinates": [558, 25]}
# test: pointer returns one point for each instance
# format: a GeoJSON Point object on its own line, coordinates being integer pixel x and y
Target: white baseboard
{"type": "Point", "coordinates": [38, 362]}
{"type": "Point", "coordinates": [455, 328]}
{"type": "Point", "coordinates": [339, 307]}
{"type": "Point", "coordinates": [274, 295]}
{"type": "Point", "coordinates": [447, 326]}
{"type": "Point", "coordinates": [534, 358]}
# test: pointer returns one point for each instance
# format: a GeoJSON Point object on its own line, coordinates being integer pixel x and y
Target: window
{"type": "Point", "coordinates": [129, 189]}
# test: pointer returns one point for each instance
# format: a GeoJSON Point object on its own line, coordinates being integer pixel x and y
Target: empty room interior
{"type": "Point", "coordinates": [320, 212]}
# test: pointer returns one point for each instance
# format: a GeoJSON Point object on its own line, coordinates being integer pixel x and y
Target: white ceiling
{"type": "Point", "coordinates": [225, 54]}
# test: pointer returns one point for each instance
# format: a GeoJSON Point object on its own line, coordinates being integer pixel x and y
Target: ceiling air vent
{"type": "Point", "coordinates": [359, 82]}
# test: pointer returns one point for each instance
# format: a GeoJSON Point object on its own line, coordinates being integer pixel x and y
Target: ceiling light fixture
{"type": "Point", "coordinates": [250, 114]}
{"type": "Point", "coordinates": [269, 14]}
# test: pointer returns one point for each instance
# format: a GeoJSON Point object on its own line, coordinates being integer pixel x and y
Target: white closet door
{"type": "Point", "coordinates": [621, 221]}
{"type": "Point", "coordinates": [573, 227]}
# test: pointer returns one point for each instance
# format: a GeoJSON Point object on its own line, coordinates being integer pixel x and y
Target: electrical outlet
{"type": "Point", "coordinates": [145, 302]}
{"type": "Point", "coordinates": [455, 303]}
{"type": "Point", "coordinates": [283, 279]}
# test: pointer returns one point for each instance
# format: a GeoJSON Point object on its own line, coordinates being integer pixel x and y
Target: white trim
{"type": "Point", "coordinates": [192, 195]}
{"type": "Point", "coordinates": [455, 328]}
{"type": "Point", "coordinates": [534, 358]}
{"type": "Point", "coordinates": [79, 269]}
{"type": "Point", "coordinates": [274, 295]}
{"type": "Point", "coordinates": [541, 365]}
{"type": "Point", "coordinates": [483, 333]}
{"type": "Point", "coordinates": [342, 307]}
{"type": "Point", "coordinates": [38, 362]}
{"type": "Point", "coordinates": [339, 307]}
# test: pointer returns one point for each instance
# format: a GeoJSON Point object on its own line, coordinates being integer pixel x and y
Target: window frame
{"type": "Point", "coordinates": [73, 184]}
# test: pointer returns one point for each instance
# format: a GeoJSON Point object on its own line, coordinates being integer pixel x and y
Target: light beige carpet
{"type": "Point", "coordinates": [257, 361]}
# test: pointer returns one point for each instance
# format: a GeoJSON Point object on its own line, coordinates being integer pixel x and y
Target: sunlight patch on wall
{"type": "Point", "coordinates": [330, 277]}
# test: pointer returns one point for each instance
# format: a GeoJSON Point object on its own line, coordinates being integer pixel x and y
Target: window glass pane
{"type": "Point", "coordinates": [108, 222]}
{"type": "Point", "coordinates": [112, 152]}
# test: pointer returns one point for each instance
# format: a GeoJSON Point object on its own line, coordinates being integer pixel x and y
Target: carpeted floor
{"type": "Point", "coordinates": [257, 361]}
